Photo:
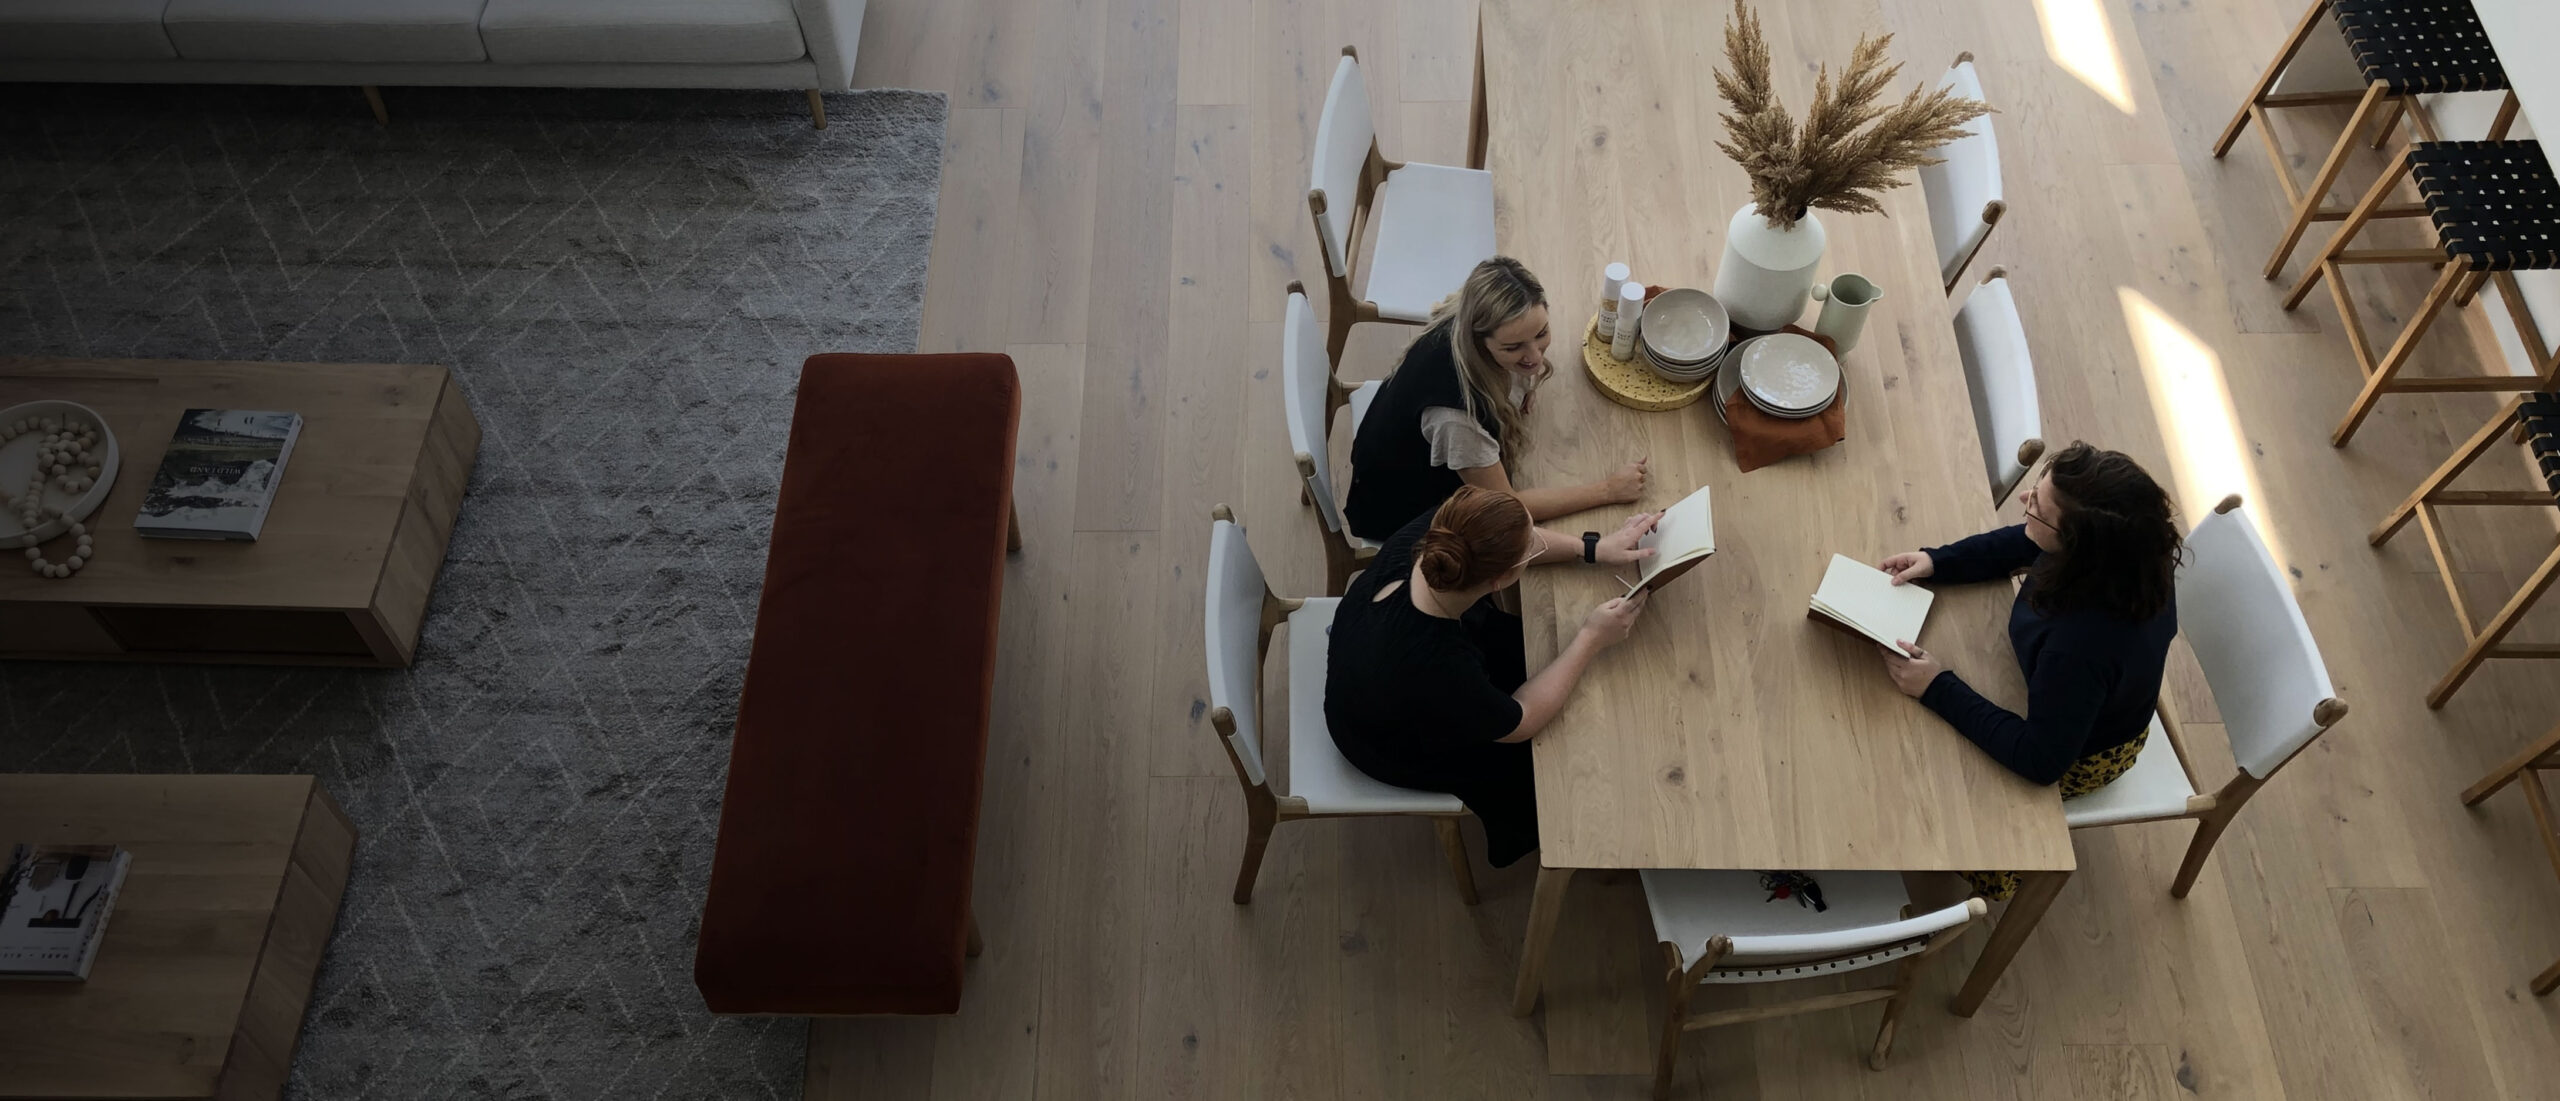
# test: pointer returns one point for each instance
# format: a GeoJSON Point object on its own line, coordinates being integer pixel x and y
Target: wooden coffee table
{"type": "Point", "coordinates": [198, 989]}
{"type": "Point", "coordinates": [341, 573]}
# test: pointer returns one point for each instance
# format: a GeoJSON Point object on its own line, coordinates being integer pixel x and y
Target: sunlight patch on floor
{"type": "Point", "coordinates": [2077, 37]}
{"type": "Point", "coordinates": [2208, 454]}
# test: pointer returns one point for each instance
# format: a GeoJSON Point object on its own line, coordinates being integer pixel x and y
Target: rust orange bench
{"type": "Point", "coordinates": [840, 881]}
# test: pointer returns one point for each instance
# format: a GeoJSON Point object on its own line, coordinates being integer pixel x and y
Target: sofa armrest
{"type": "Point", "coordinates": [833, 30]}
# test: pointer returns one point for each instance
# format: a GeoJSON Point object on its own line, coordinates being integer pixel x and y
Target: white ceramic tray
{"type": "Point", "coordinates": [17, 464]}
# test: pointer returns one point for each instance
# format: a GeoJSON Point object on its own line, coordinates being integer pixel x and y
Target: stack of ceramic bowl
{"type": "Point", "coordinates": [1783, 374]}
{"type": "Point", "coordinates": [1682, 335]}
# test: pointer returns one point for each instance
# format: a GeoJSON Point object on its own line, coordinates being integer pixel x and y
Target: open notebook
{"type": "Point", "coordinates": [1684, 537]}
{"type": "Point", "coordinates": [1864, 599]}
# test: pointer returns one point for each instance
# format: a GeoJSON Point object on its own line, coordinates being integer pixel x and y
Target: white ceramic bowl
{"type": "Point", "coordinates": [18, 461]}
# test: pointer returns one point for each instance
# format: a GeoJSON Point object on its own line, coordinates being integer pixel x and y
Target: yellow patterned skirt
{"type": "Point", "coordinates": [2086, 775]}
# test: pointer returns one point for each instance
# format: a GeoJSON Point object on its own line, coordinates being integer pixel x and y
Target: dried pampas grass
{"type": "Point", "coordinates": [1849, 147]}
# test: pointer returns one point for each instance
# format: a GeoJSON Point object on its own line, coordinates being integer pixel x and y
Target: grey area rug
{"type": "Point", "coordinates": [625, 284]}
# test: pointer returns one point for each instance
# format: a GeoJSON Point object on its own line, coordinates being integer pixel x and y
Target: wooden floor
{"type": "Point", "coordinates": [1122, 204]}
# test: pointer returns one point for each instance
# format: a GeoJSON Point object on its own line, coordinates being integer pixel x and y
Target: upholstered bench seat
{"type": "Point", "coordinates": [840, 881]}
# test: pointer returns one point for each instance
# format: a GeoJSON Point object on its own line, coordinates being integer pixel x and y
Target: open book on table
{"type": "Point", "coordinates": [1863, 599]}
{"type": "Point", "coordinates": [1684, 537]}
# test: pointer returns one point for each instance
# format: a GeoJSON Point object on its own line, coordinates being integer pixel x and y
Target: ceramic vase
{"type": "Point", "coordinates": [1767, 273]}
{"type": "Point", "coordinates": [1845, 301]}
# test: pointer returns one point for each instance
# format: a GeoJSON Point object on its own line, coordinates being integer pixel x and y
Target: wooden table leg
{"type": "Point", "coordinates": [1545, 905]}
{"type": "Point", "coordinates": [2036, 892]}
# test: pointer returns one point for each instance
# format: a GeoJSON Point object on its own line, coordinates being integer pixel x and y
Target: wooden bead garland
{"type": "Point", "coordinates": [82, 550]}
{"type": "Point", "coordinates": [64, 458]}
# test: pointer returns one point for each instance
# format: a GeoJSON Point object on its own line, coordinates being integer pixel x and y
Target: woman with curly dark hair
{"type": "Point", "coordinates": [2091, 625]}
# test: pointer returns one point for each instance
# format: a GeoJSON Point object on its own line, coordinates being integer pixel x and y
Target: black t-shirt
{"type": "Point", "coordinates": [1392, 479]}
{"type": "Point", "coordinates": [1407, 693]}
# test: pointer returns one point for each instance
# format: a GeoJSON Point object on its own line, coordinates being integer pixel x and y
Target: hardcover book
{"type": "Point", "coordinates": [219, 476]}
{"type": "Point", "coordinates": [1863, 599]}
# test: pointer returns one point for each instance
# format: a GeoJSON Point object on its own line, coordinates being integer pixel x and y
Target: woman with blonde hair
{"type": "Point", "coordinates": [1455, 411]}
{"type": "Point", "coordinates": [1427, 683]}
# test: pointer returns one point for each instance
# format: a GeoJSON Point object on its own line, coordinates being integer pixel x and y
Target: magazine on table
{"type": "Point", "coordinates": [219, 476]}
{"type": "Point", "coordinates": [54, 903]}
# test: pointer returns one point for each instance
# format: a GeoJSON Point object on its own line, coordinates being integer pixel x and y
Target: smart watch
{"type": "Point", "coordinates": [1590, 546]}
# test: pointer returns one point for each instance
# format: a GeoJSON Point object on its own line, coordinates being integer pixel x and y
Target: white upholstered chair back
{"type": "Point", "coordinates": [1306, 383]}
{"type": "Point", "coordinates": [1963, 192]}
{"type": "Point", "coordinates": [1237, 591]}
{"type": "Point", "coordinates": [2238, 613]}
{"type": "Point", "coordinates": [1992, 341]}
{"type": "Point", "coordinates": [1344, 136]}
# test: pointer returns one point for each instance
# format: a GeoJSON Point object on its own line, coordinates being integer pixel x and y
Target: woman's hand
{"type": "Point", "coordinates": [1627, 484]}
{"type": "Point", "coordinates": [1909, 566]}
{"type": "Point", "coordinates": [1619, 548]}
{"type": "Point", "coordinates": [1912, 669]}
{"type": "Point", "coordinates": [1608, 624]}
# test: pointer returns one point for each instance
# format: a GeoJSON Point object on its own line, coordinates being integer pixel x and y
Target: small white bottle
{"type": "Point", "coordinates": [1611, 278]}
{"type": "Point", "coordinates": [1622, 343]}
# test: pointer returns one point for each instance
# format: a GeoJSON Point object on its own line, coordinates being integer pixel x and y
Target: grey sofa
{"type": "Point", "coordinates": [800, 44]}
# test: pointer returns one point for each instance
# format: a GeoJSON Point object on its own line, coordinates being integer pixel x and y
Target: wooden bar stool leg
{"type": "Point", "coordinates": [2390, 122]}
{"type": "Point", "coordinates": [2506, 773]}
{"type": "Point", "coordinates": [2355, 223]}
{"type": "Point", "coordinates": [2317, 195]}
{"type": "Point", "coordinates": [2496, 630]}
{"type": "Point", "coordinates": [2267, 80]}
{"type": "Point", "coordinates": [2550, 977]}
{"type": "Point", "coordinates": [2452, 468]}
{"type": "Point", "coordinates": [2470, 289]}
{"type": "Point", "coordinates": [2388, 370]}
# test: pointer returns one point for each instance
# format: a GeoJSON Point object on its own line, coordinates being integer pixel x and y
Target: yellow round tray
{"type": "Point", "coordinates": [1629, 383]}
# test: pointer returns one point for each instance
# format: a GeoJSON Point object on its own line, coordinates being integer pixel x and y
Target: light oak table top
{"type": "Point", "coordinates": [1730, 731]}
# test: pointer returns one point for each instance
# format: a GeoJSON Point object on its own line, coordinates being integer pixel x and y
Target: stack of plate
{"type": "Point", "coordinates": [1783, 374]}
{"type": "Point", "coordinates": [1681, 335]}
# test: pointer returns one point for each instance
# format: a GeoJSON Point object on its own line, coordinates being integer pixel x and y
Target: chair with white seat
{"type": "Point", "coordinates": [2001, 373]}
{"type": "Point", "coordinates": [2239, 616]}
{"type": "Point", "coordinates": [1434, 221]}
{"type": "Point", "coordinates": [1312, 395]}
{"type": "Point", "coordinates": [1963, 189]}
{"type": "Point", "coordinates": [1242, 613]}
{"type": "Point", "coordinates": [1722, 927]}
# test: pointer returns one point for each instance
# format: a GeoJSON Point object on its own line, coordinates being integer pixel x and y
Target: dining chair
{"type": "Point", "coordinates": [1313, 394]}
{"type": "Point", "coordinates": [2384, 55]}
{"type": "Point", "coordinates": [2527, 766]}
{"type": "Point", "coordinates": [2239, 616]}
{"type": "Point", "coordinates": [1434, 222]}
{"type": "Point", "coordinates": [2537, 418]}
{"type": "Point", "coordinates": [1242, 613]}
{"type": "Point", "coordinates": [1723, 927]}
{"type": "Point", "coordinates": [2001, 374]}
{"type": "Point", "coordinates": [1962, 190]}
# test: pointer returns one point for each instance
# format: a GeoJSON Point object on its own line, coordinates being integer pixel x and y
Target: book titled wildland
{"type": "Point", "coordinates": [219, 476]}
{"type": "Point", "coordinates": [54, 902]}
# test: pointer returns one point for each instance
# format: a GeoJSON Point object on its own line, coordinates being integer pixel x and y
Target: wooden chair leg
{"type": "Point", "coordinates": [2506, 773]}
{"type": "Point", "coordinates": [1903, 973]}
{"type": "Point", "coordinates": [1454, 843]}
{"type": "Point", "coordinates": [1257, 837]}
{"type": "Point", "coordinates": [2495, 631]}
{"type": "Point", "coordinates": [2317, 195]}
{"type": "Point", "coordinates": [2208, 832]}
{"type": "Point", "coordinates": [2388, 371]}
{"type": "Point", "coordinates": [977, 944]}
{"type": "Point", "coordinates": [1012, 527]}
{"type": "Point", "coordinates": [2267, 80]}
{"type": "Point", "coordinates": [2550, 977]}
{"type": "Point", "coordinates": [1679, 985]}
{"type": "Point", "coordinates": [817, 110]}
{"type": "Point", "coordinates": [373, 99]}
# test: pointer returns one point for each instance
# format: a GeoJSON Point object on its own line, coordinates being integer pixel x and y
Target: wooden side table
{"type": "Point", "coordinates": [341, 574]}
{"type": "Point", "coordinates": [199, 988]}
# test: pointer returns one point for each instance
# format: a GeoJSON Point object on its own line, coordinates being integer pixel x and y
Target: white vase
{"type": "Point", "coordinates": [1767, 272]}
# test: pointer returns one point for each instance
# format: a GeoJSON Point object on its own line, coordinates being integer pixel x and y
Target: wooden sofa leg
{"type": "Point", "coordinates": [373, 99]}
{"type": "Point", "coordinates": [977, 944]}
{"type": "Point", "coordinates": [817, 110]}
{"type": "Point", "coordinates": [1012, 527]}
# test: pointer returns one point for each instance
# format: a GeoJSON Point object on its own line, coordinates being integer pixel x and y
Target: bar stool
{"type": "Point", "coordinates": [2402, 49]}
{"type": "Point", "coordinates": [2496, 209]}
{"type": "Point", "coordinates": [2539, 417]}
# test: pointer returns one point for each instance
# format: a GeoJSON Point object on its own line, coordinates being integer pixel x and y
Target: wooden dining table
{"type": "Point", "coordinates": [1729, 731]}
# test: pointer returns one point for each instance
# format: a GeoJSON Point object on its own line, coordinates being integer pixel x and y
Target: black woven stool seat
{"type": "Point", "coordinates": [2495, 203]}
{"type": "Point", "coordinates": [2415, 46]}
{"type": "Point", "coordinates": [2542, 427]}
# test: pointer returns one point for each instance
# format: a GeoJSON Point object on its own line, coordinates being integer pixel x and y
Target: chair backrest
{"type": "Point", "coordinates": [1237, 592]}
{"type": "Point", "coordinates": [2002, 375]}
{"type": "Point", "coordinates": [1307, 388]}
{"type": "Point", "coordinates": [1344, 136]}
{"type": "Point", "coordinates": [1960, 190]}
{"type": "Point", "coordinates": [2238, 613]}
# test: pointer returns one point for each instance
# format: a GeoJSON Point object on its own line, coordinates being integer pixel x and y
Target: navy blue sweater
{"type": "Point", "coordinates": [2092, 678]}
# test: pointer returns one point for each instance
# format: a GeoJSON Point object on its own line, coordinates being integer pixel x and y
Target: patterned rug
{"type": "Point", "coordinates": [625, 284]}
